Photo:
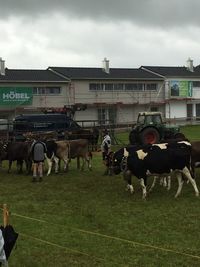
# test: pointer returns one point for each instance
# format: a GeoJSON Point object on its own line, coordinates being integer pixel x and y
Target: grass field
{"type": "Point", "coordinates": [87, 219]}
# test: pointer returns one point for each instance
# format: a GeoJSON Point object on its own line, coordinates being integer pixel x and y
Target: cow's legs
{"type": "Point", "coordinates": [9, 166]}
{"type": "Point", "coordinates": [127, 177]}
{"type": "Point", "coordinates": [180, 184]}
{"type": "Point", "coordinates": [66, 163]}
{"type": "Point", "coordinates": [28, 163]}
{"type": "Point", "coordinates": [83, 163]}
{"type": "Point", "coordinates": [192, 181]}
{"type": "Point", "coordinates": [19, 166]}
{"type": "Point", "coordinates": [168, 182]}
{"type": "Point", "coordinates": [153, 184]}
{"type": "Point", "coordinates": [49, 163]}
{"type": "Point", "coordinates": [89, 161]}
{"type": "Point", "coordinates": [130, 188]}
{"type": "Point", "coordinates": [78, 163]}
{"type": "Point", "coordinates": [164, 181]}
{"type": "Point", "coordinates": [144, 190]}
{"type": "Point", "coordinates": [56, 160]}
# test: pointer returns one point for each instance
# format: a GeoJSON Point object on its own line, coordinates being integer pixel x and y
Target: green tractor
{"type": "Point", "coordinates": [151, 129]}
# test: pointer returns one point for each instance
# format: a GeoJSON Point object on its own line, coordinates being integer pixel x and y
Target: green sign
{"type": "Point", "coordinates": [16, 96]}
{"type": "Point", "coordinates": [181, 88]}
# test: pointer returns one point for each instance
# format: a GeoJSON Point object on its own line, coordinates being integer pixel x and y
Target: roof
{"type": "Point", "coordinates": [65, 74]}
{"type": "Point", "coordinates": [178, 72]}
{"type": "Point", "coordinates": [78, 73]}
{"type": "Point", "coordinates": [20, 75]}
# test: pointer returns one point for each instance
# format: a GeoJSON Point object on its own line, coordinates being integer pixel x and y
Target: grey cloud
{"type": "Point", "coordinates": [157, 13]}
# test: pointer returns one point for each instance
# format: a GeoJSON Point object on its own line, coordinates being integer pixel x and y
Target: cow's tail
{"type": "Point", "coordinates": [69, 152]}
{"type": "Point", "coordinates": [90, 154]}
{"type": "Point", "coordinates": [191, 166]}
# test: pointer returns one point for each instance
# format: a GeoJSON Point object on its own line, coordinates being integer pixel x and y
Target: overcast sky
{"type": "Point", "coordinates": [36, 34]}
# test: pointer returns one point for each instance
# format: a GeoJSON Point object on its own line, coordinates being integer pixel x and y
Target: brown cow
{"type": "Point", "coordinates": [80, 149]}
{"type": "Point", "coordinates": [92, 135]}
{"type": "Point", "coordinates": [66, 150]}
{"type": "Point", "coordinates": [16, 151]}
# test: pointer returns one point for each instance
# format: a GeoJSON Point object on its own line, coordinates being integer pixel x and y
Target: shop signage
{"type": "Point", "coordinates": [15, 96]}
{"type": "Point", "coordinates": [181, 88]}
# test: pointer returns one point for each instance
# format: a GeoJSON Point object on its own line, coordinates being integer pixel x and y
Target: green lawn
{"type": "Point", "coordinates": [87, 219]}
{"type": "Point", "coordinates": [191, 132]}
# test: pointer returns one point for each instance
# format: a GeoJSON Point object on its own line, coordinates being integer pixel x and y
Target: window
{"type": "Point", "coordinates": [96, 87]}
{"type": "Point", "coordinates": [46, 90]}
{"type": "Point", "coordinates": [154, 109]}
{"type": "Point", "coordinates": [35, 90]}
{"type": "Point", "coordinates": [101, 116]}
{"type": "Point", "coordinates": [189, 111]}
{"type": "Point", "coordinates": [118, 86]}
{"type": "Point", "coordinates": [107, 115]}
{"type": "Point", "coordinates": [196, 84]}
{"type": "Point", "coordinates": [151, 86]}
{"type": "Point", "coordinates": [108, 87]}
{"type": "Point", "coordinates": [198, 111]}
{"type": "Point", "coordinates": [52, 90]}
{"type": "Point", "coordinates": [41, 91]}
{"type": "Point", "coordinates": [133, 86]}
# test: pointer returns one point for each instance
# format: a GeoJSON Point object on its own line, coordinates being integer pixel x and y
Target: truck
{"type": "Point", "coordinates": [150, 128]}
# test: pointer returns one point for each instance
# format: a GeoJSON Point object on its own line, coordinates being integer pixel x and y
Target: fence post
{"type": "Point", "coordinates": [5, 215]}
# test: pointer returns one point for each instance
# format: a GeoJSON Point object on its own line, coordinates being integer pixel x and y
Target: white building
{"type": "Point", "coordinates": [101, 95]}
{"type": "Point", "coordinates": [182, 89]}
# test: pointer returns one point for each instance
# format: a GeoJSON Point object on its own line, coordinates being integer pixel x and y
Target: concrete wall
{"type": "Point", "coordinates": [178, 109]}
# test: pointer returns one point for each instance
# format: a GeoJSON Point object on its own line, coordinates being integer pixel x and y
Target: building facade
{"type": "Point", "coordinates": [182, 90]}
{"type": "Point", "coordinates": [101, 95]}
{"type": "Point", "coordinates": [114, 96]}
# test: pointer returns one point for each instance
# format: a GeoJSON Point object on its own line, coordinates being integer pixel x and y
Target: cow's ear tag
{"type": "Point", "coordinates": [126, 153]}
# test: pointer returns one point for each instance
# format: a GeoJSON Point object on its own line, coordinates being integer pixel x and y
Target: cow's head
{"type": "Point", "coordinates": [119, 160]}
{"type": "Point", "coordinates": [108, 159]}
{"type": "Point", "coordinates": [3, 150]}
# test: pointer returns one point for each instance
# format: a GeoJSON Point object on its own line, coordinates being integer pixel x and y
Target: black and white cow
{"type": "Point", "coordinates": [155, 159]}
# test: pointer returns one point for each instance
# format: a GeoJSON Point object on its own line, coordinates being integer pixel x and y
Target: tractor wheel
{"type": "Point", "coordinates": [149, 136]}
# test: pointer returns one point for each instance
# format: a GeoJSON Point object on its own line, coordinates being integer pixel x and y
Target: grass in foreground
{"type": "Point", "coordinates": [87, 219]}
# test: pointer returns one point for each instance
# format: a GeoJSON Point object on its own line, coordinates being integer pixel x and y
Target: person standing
{"type": "Point", "coordinates": [38, 150]}
{"type": "Point", "coordinates": [106, 144]}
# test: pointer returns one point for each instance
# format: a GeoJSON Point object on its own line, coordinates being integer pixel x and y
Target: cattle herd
{"type": "Point", "coordinates": [62, 150]}
{"type": "Point", "coordinates": [174, 158]}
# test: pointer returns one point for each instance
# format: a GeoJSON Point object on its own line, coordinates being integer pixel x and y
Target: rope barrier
{"type": "Point", "coordinates": [6, 215]}
{"type": "Point", "coordinates": [111, 237]}
{"type": "Point", "coordinates": [61, 247]}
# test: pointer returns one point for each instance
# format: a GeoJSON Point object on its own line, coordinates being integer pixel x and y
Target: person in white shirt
{"type": "Point", "coordinates": [106, 145]}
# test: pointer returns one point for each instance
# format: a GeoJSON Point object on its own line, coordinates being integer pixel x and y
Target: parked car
{"type": "Point", "coordinates": [60, 124]}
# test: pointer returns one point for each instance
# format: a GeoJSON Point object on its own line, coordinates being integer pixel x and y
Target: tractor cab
{"type": "Point", "coordinates": [151, 118]}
